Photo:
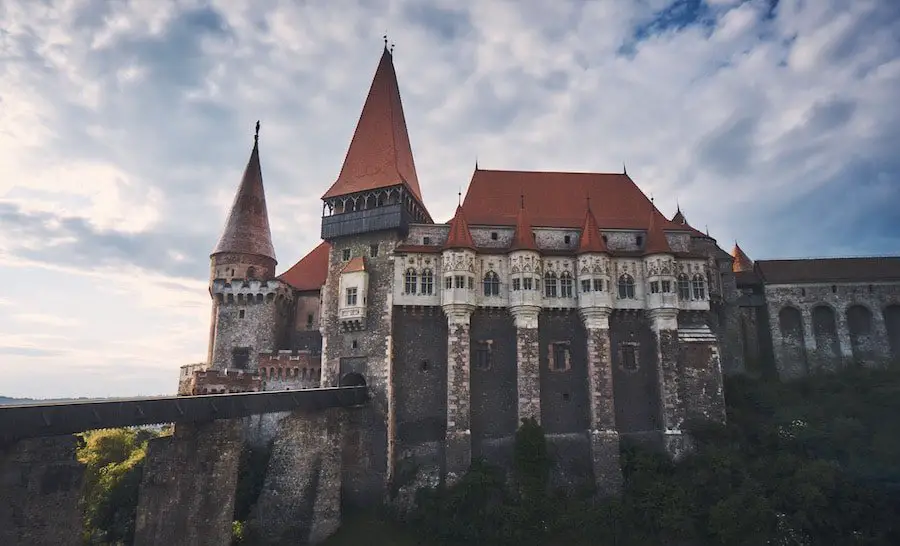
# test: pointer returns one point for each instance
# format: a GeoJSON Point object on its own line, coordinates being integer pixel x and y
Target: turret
{"type": "Point", "coordinates": [659, 267]}
{"type": "Point", "coordinates": [594, 298]}
{"type": "Point", "coordinates": [742, 262]}
{"type": "Point", "coordinates": [525, 269]}
{"type": "Point", "coordinates": [458, 267]}
{"type": "Point", "coordinates": [377, 188]}
{"type": "Point", "coordinates": [249, 306]}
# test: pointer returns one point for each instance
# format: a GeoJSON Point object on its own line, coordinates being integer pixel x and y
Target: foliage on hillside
{"type": "Point", "coordinates": [113, 460]}
{"type": "Point", "coordinates": [815, 461]}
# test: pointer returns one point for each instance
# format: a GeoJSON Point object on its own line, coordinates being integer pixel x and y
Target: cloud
{"type": "Point", "coordinates": [125, 126]}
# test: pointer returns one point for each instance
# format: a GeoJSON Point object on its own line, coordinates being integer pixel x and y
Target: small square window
{"type": "Point", "coordinates": [567, 239]}
{"type": "Point", "coordinates": [373, 250]}
{"type": "Point", "coordinates": [241, 313]}
{"type": "Point", "coordinates": [639, 240]}
{"type": "Point", "coordinates": [494, 236]}
{"type": "Point", "coordinates": [345, 254]}
{"type": "Point", "coordinates": [426, 240]}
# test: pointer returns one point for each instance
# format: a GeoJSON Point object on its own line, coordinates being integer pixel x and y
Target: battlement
{"type": "Point", "coordinates": [222, 382]}
{"type": "Point", "coordinates": [246, 291]}
{"type": "Point", "coordinates": [303, 367]}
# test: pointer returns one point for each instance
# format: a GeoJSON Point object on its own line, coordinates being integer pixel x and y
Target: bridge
{"type": "Point", "coordinates": [21, 421]}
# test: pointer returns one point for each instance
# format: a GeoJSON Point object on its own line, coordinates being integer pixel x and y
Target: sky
{"type": "Point", "coordinates": [125, 126]}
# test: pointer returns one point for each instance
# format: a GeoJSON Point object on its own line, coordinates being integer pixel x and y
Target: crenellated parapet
{"type": "Point", "coordinates": [287, 369]}
{"type": "Point", "coordinates": [224, 382]}
{"type": "Point", "coordinates": [250, 291]}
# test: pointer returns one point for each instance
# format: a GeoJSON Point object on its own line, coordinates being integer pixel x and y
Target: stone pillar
{"type": "Point", "coordinates": [528, 363]}
{"type": "Point", "coordinates": [40, 490]}
{"type": "Point", "coordinates": [301, 499]}
{"type": "Point", "coordinates": [603, 433]}
{"type": "Point", "coordinates": [459, 433]}
{"type": "Point", "coordinates": [665, 328]}
{"type": "Point", "coordinates": [188, 486]}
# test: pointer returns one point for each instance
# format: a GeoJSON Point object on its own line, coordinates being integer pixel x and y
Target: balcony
{"type": "Point", "coordinates": [352, 318]}
{"type": "Point", "coordinates": [388, 217]}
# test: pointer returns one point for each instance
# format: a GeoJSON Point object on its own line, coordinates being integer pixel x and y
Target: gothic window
{"type": "Point", "coordinates": [598, 285]}
{"type": "Point", "coordinates": [628, 357]}
{"type": "Point", "coordinates": [517, 284]}
{"type": "Point", "coordinates": [491, 284]}
{"type": "Point", "coordinates": [585, 285]}
{"type": "Point", "coordinates": [471, 282]}
{"type": "Point", "coordinates": [699, 288]}
{"type": "Point", "coordinates": [666, 287]}
{"type": "Point", "coordinates": [550, 284]}
{"type": "Point", "coordinates": [565, 285]}
{"type": "Point", "coordinates": [527, 283]}
{"type": "Point", "coordinates": [483, 356]}
{"type": "Point", "coordinates": [684, 288]}
{"type": "Point", "coordinates": [559, 356]}
{"type": "Point", "coordinates": [459, 281]}
{"type": "Point", "coordinates": [240, 357]}
{"type": "Point", "coordinates": [448, 282]}
{"type": "Point", "coordinates": [427, 282]}
{"type": "Point", "coordinates": [351, 297]}
{"type": "Point", "coordinates": [411, 281]}
{"type": "Point", "coordinates": [626, 287]}
{"type": "Point", "coordinates": [654, 287]}
{"type": "Point", "coordinates": [345, 254]}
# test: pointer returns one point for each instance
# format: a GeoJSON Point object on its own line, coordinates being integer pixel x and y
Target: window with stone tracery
{"type": "Point", "coordinates": [699, 287]}
{"type": "Point", "coordinates": [491, 284]}
{"type": "Point", "coordinates": [459, 281]}
{"type": "Point", "coordinates": [411, 281]}
{"type": "Point", "coordinates": [550, 284]}
{"type": "Point", "coordinates": [527, 283]}
{"type": "Point", "coordinates": [517, 284]}
{"type": "Point", "coordinates": [427, 282]}
{"type": "Point", "coordinates": [565, 285]}
{"type": "Point", "coordinates": [585, 285]}
{"type": "Point", "coordinates": [684, 288]}
{"type": "Point", "coordinates": [598, 285]}
{"type": "Point", "coordinates": [626, 287]}
{"type": "Point", "coordinates": [448, 282]}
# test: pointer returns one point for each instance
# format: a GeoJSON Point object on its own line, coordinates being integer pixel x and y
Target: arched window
{"type": "Point", "coordinates": [491, 284]}
{"type": "Point", "coordinates": [699, 286]}
{"type": "Point", "coordinates": [565, 285]}
{"type": "Point", "coordinates": [626, 287]}
{"type": "Point", "coordinates": [251, 272]}
{"type": "Point", "coordinates": [427, 282]}
{"type": "Point", "coordinates": [684, 288]}
{"type": "Point", "coordinates": [410, 285]}
{"type": "Point", "coordinates": [550, 284]}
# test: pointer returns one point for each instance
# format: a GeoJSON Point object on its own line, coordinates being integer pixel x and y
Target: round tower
{"type": "Point", "coordinates": [525, 268]}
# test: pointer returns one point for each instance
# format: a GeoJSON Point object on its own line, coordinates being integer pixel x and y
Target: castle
{"type": "Point", "coordinates": [564, 297]}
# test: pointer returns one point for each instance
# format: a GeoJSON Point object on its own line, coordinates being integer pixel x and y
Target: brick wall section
{"type": "Point", "coordinates": [368, 461]}
{"type": "Point", "coordinates": [300, 502]}
{"type": "Point", "coordinates": [188, 485]}
{"type": "Point", "coordinates": [459, 440]}
{"type": "Point", "coordinates": [40, 490]}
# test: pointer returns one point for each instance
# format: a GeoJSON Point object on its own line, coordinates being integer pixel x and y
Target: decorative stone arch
{"type": "Point", "coordinates": [891, 315]}
{"type": "Point", "coordinates": [824, 329]}
{"type": "Point", "coordinates": [860, 326]}
{"type": "Point", "coordinates": [793, 345]}
{"type": "Point", "coordinates": [626, 287]}
{"type": "Point", "coordinates": [491, 283]}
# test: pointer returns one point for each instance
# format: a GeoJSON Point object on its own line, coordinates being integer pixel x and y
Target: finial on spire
{"type": "Point", "coordinates": [624, 170]}
{"type": "Point", "coordinates": [256, 136]}
{"type": "Point", "coordinates": [385, 40]}
{"type": "Point", "coordinates": [652, 199]}
{"type": "Point", "coordinates": [459, 198]}
{"type": "Point", "coordinates": [392, 48]}
{"type": "Point", "coordinates": [707, 230]}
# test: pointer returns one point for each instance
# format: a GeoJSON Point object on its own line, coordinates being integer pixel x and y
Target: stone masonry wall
{"type": "Point", "coordinates": [839, 325]}
{"type": "Point", "coordinates": [369, 451]}
{"type": "Point", "coordinates": [604, 437]}
{"type": "Point", "coordinates": [188, 486]}
{"type": "Point", "coordinates": [637, 398]}
{"type": "Point", "coordinates": [459, 434]}
{"type": "Point", "coordinates": [563, 385]}
{"type": "Point", "coordinates": [300, 502]}
{"type": "Point", "coordinates": [40, 490]}
{"type": "Point", "coordinates": [702, 389]}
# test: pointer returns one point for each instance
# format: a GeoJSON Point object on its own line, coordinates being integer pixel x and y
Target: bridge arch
{"type": "Point", "coordinates": [352, 379]}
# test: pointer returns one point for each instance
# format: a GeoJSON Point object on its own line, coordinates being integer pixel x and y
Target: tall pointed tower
{"type": "Point", "coordinates": [366, 212]}
{"type": "Point", "coordinates": [248, 307]}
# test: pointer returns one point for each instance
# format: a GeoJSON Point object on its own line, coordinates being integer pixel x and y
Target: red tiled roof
{"type": "Point", "coordinates": [656, 238]}
{"type": "Point", "coordinates": [460, 236]}
{"type": "Point", "coordinates": [591, 239]}
{"type": "Point", "coordinates": [679, 218]}
{"type": "Point", "coordinates": [829, 270]}
{"type": "Point", "coordinates": [742, 262]}
{"type": "Point", "coordinates": [554, 199]}
{"type": "Point", "coordinates": [354, 265]}
{"type": "Point", "coordinates": [247, 228]}
{"type": "Point", "coordinates": [311, 271]}
{"type": "Point", "coordinates": [380, 154]}
{"type": "Point", "coordinates": [524, 236]}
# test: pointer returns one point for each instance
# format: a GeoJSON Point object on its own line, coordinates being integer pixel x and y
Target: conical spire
{"type": "Point", "coordinates": [656, 238]}
{"type": "Point", "coordinates": [524, 237]}
{"type": "Point", "coordinates": [741, 262]}
{"type": "Point", "coordinates": [679, 217]}
{"type": "Point", "coordinates": [460, 236]}
{"type": "Point", "coordinates": [591, 240]}
{"type": "Point", "coordinates": [247, 229]}
{"type": "Point", "coordinates": [380, 154]}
